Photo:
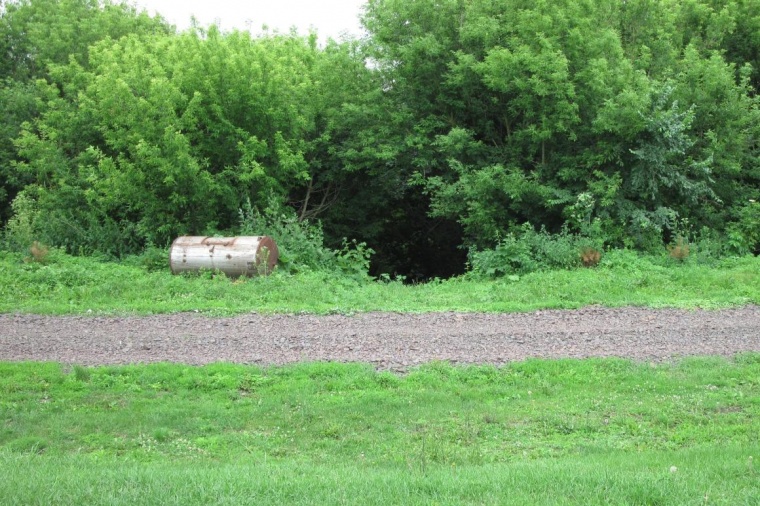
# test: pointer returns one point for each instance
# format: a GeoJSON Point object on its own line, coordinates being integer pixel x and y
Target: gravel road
{"type": "Point", "coordinates": [388, 341]}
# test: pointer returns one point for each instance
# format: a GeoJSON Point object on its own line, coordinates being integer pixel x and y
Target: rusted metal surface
{"type": "Point", "coordinates": [234, 256]}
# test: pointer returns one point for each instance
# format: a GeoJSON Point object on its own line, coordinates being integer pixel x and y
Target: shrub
{"type": "Point", "coordinates": [744, 233]}
{"type": "Point", "coordinates": [626, 259]}
{"type": "Point", "coordinates": [707, 246]}
{"type": "Point", "coordinates": [22, 230]}
{"type": "Point", "coordinates": [527, 250]}
{"type": "Point", "coordinates": [301, 243]}
{"type": "Point", "coordinates": [353, 259]}
{"type": "Point", "coordinates": [152, 259]}
{"type": "Point", "coordinates": [510, 256]}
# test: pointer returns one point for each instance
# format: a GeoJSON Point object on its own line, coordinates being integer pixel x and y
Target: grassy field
{"type": "Point", "coordinates": [67, 284]}
{"type": "Point", "coordinates": [536, 432]}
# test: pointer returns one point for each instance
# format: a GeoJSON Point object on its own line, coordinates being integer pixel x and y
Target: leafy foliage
{"type": "Point", "coordinates": [451, 126]}
{"type": "Point", "coordinates": [744, 234]}
{"type": "Point", "coordinates": [144, 285]}
{"type": "Point", "coordinates": [301, 243]}
{"type": "Point", "coordinates": [536, 104]}
{"type": "Point", "coordinates": [527, 251]}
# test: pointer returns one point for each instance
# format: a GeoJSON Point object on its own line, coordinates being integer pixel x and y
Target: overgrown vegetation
{"type": "Point", "coordinates": [530, 251]}
{"type": "Point", "coordinates": [301, 243]}
{"type": "Point", "coordinates": [515, 130]}
{"type": "Point", "coordinates": [66, 284]}
{"type": "Point", "coordinates": [540, 432]}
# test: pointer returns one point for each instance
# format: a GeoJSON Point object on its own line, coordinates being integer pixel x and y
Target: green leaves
{"type": "Point", "coordinates": [534, 89]}
{"type": "Point", "coordinates": [535, 103]}
{"type": "Point", "coordinates": [168, 135]}
{"type": "Point", "coordinates": [451, 123]}
{"type": "Point", "coordinates": [662, 160]}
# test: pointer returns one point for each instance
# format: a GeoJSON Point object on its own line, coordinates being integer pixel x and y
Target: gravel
{"type": "Point", "coordinates": [388, 341]}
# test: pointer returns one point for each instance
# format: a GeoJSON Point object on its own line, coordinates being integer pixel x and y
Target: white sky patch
{"type": "Point", "coordinates": [331, 18]}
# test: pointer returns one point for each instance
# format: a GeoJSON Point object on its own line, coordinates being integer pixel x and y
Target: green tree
{"type": "Point", "coordinates": [520, 108]}
{"type": "Point", "coordinates": [170, 134]}
{"type": "Point", "coordinates": [36, 35]}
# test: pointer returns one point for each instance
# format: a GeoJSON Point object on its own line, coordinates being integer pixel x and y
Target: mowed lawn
{"type": "Point", "coordinates": [604, 431]}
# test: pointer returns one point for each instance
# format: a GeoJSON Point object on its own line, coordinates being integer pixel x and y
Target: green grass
{"type": "Point", "coordinates": [705, 476]}
{"type": "Point", "coordinates": [604, 431]}
{"type": "Point", "coordinates": [536, 432]}
{"type": "Point", "coordinates": [79, 285]}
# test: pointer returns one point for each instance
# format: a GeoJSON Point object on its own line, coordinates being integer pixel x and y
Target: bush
{"type": "Point", "coordinates": [744, 233]}
{"type": "Point", "coordinates": [21, 231]}
{"type": "Point", "coordinates": [709, 246]}
{"type": "Point", "coordinates": [510, 256]}
{"type": "Point", "coordinates": [626, 259]}
{"type": "Point", "coordinates": [153, 259]}
{"type": "Point", "coordinates": [301, 243]}
{"type": "Point", "coordinates": [526, 250]}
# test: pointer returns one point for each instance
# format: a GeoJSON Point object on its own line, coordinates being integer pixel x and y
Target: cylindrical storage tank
{"type": "Point", "coordinates": [234, 256]}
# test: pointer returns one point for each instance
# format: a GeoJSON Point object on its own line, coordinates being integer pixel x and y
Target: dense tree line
{"type": "Point", "coordinates": [454, 125]}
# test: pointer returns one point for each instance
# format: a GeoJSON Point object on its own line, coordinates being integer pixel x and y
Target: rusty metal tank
{"type": "Point", "coordinates": [234, 256]}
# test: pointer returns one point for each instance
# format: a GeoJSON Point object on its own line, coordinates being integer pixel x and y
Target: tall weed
{"type": "Point", "coordinates": [744, 234]}
{"type": "Point", "coordinates": [22, 229]}
{"type": "Point", "coordinates": [527, 250]}
{"type": "Point", "coordinates": [301, 242]}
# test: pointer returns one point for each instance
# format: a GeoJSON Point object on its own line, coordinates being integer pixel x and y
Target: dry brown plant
{"type": "Point", "coordinates": [39, 252]}
{"type": "Point", "coordinates": [590, 256]}
{"type": "Point", "coordinates": [679, 250]}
